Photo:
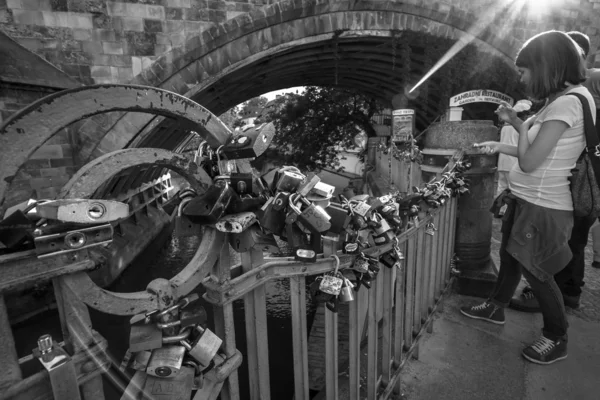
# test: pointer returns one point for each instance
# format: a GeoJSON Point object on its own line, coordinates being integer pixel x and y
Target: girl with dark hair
{"type": "Point", "coordinates": [539, 216]}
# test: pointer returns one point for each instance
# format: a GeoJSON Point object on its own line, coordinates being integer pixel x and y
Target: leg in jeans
{"type": "Point", "coordinates": [509, 275]}
{"type": "Point", "coordinates": [570, 278]}
{"type": "Point", "coordinates": [552, 306]}
{"type": "Point", "coordinates": [596, 241]}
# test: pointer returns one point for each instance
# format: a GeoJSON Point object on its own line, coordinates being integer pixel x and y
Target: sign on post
{"type": "Point", "coordinates": [480, 95]}
{"type": "Point", "coordinates": [403, 124]}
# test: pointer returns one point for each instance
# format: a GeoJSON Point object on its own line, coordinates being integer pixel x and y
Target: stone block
{"type": "Point", "coordinates": [103, 35]}
{"type": "Point", "coordinates": [82, 34]}
{"type": "Point", "coordinates": [133, 24]}
{"type": "Point", "coordinates": [120, 60]}
{"type": "Point", "coordinates": [114, 72]}
{"type": "Point", "coordinates": [101, 59]}
{"type": "Point", "coordinates": [12, 4]}
{"type": "Point", "coordinates": [53, 172]}
{"type": "Point", "coordinates": [112, 48]}
{"type": "Point", "coordinates": [136, 65]}
{"type": "Point", "coordinates": [152, 26]}
{"type": "Point", "coordinates": [140, 43]}
{"type": "Point", "coordinates": [125, 74]}
{"type": "Point", "coordinates": [174, 13]}
{"type": "Point", "coordinates": [30, 43]}
{"type": "Point", "coordinates": [156, 12]}
{"type": "Point", "coordinates": [118, 9]}
{"type": "Point", "coordinates": [48, 152]}
{"type": "Point", "coordinates": [178, 3]}
{"type": "Point", "coordinates": [170, 26]}
{"type": "Point", "coordinates": [40, 183]}
{"type": "Point", "coordinates": [24, 17]}
{"type": "Point", "coordinates": [61, 162]}
{"type": "Point", "coordinates": [37, 5]}
{"type": "Point", "coordinates": [47, 193]}
{"type": "Point", "coordinates": [102, 21]}
{"type": "Point", "coordinates": [100, 72]}
{"type": "Point", "coordinates": [94, 48]}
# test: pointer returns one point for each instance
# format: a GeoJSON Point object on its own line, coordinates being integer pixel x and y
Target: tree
{"type": "Point", "coordinates": [312, 128]}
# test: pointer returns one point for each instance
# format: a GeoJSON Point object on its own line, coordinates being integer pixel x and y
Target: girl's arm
{"type": "Point", "coordinates": [531, 156]}
{"type": "Point", "coordinates": [497, 147]}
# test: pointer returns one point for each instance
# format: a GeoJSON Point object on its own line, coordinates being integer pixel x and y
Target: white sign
{"type": "Point", "coordinates": [404, 111]}
{"type": "Point", "coordinates": [481, 95]}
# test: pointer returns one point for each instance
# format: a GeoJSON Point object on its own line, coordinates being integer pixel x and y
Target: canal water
{"type": "Point", "coordinates": [163, 260]}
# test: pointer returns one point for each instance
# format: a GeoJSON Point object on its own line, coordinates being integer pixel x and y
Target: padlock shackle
{"type": "Point", "coordinates": [337, 264]}
{"type": "Point", "coordinates": [182, 204]}
{"type": "Point", "coordinates": [292, 200]}
{"type": "Point", "coordinates": [179, 337]}
{"type": "Point", "coordinates": [200, 150]}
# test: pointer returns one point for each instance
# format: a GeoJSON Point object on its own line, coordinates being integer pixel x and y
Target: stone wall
{"type": "Point", "coordinates": [99, 41]}
{"type": "Point", "coordinates": [52, 165]}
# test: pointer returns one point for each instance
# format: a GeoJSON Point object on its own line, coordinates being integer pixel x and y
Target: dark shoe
{"type": "Point", "coordinates": [571, 301]}
{"type": "Point", "coordinates": [526, 301]}
{"type": "Point", "coordinates": [546, 351]}
{"type": "Point", "coordinates": [485, 311]}
{"type": "Point", "coordinates": [596, 264]}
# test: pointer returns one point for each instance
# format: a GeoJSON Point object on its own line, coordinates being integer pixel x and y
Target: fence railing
{"type": "Point", "coordinates": [399, 306]}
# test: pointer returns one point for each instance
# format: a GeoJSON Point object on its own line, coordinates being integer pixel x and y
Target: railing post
{"type": "Point", "coordinates": [256, 332]}
{"type": "Point", "coordinates": [77, 332]}
{"type": "Point", "coordinates": [8, 353]}
{"type": "Point", "coordinates": [331, 355]}
{"type": "Point", "coordinates": [299, 337]}
{"type": "Point", "coordinates": [224, 323]}
{"type": "Point", "coordinates": [354, 344]}
{"type": "Point", "coordinates": [372, 354]}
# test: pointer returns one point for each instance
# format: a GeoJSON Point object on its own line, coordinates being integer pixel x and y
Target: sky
{"type": "Point", "coordinates": [272, 95]}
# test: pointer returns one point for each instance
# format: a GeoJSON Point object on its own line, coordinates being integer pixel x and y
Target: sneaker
{"type": "Point", "coordinates": [596, 264]}
{"type": "Point", "coordinates": [546, 351]}
{"type": "Point", "coordinates": [571, 301]}
{"type": "Point", "coordinates": [526, 301]}
{"type": "Point", "coordinates": [485, 311]}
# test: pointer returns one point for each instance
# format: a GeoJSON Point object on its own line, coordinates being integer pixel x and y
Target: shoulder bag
{"type": "Point", "coordinates": [585, 188]}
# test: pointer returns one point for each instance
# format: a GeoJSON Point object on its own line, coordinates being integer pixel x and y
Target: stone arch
{"type": "Point", "coordinates": [202, 69]}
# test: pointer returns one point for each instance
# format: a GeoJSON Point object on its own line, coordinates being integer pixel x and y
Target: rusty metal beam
{"type": "Point", "coordinates": [25, 131]}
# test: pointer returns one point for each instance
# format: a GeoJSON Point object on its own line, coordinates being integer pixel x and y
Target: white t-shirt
{"type": "Point", "coordinates": [548, 185]}
{"type": "Point", "coordinates": [508, 135]}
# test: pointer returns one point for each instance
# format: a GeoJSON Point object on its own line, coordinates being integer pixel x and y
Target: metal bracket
{"type": "Point", "coordinates": [74, 240]}
{"type": "Point", "coordinates": [60, 367]}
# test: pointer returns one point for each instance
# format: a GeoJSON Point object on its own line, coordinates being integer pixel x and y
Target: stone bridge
{"type": "Point", "coordinates": [220, 53]}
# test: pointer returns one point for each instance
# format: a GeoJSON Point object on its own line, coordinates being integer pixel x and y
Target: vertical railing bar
{"type": "Point", "coordinates": [77, 331]}
{"type": "Point", "coordinates": [386, 326]}
{"type": "Point", "coordinates": [224, 323]}
{"type": "Point", "coordinates": [8, 352]}
{"type": "Point", "coordinates": [256, 332]}
{"type": "Point", "coordinates": [411, 262]}
{"type": "Point", "coordinates": [299, 337]}
{"type": "Point", "coordinates": [453, 217]}
{"type": "Point", "coordinates": [354, 343]}
{"type": "Point", "coordinates": [400, 307]}
{"type": "Point", "coordinates": [446, 239]}
{"type": "Point", "coordinates": [418, 289]}
{"type": "Point", "coordinates": [331, 355]}
{"type": "Point", "coordinates": [428, 272]}
{"type": "Point", "coordinates": [437, 244]}
{"type": "Point", "coordinates": [372, 352]}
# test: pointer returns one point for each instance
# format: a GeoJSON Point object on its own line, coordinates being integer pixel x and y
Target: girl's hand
{"type": "Point", "coordinates": [505, 112]}
{"type": "Point", "coordinates": [488, 147]}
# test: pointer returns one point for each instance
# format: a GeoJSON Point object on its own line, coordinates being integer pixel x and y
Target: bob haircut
{"type": "Point", "coordinates": [553, 59]}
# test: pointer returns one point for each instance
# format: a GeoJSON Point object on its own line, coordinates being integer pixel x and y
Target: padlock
{"type": "Point", "coordinates": [236, 223]}
{"type": "Point", "coordinates": [316, 242]}
{"type": "Point", "coordinates": [332, 283]}
{"type": "Point", "coordinates": [332, 304]}
{"type": "Point", "coordinates": [253, 237]}
{"type": "Point", "coordinates": [272, 214]}
{"type": "Point", "coordinates": [309, 183]}
{"type": "Point", "coordinates": [314, 218]}
{"type": "Point", "coordinates": [242, 183]}
{"type": "Point", "coordinates": [270, 179]}
{"type": "Point", "coordinates": [388, 260]}
{"type": "Point", "coordinates": [212, 204]}
{"type": "Point", "coordinates": [430, 229]}
{"type": "Point", "coordinates": [204, 348]}
{"type": "Point", "coordinates": [176, 387]}
{"type": "Point", "coordinates": [339, 217]}
{"type": "Point", "coordinates": [361, 264]}
{"type": "Point", "coordinates": [323, 189]}
{"type": "Point", "coordinates": [306, 255]}
{"type": "Point", "coordinates": [141, 359]}
{"type": "Point", "coordinates": [289, 181]}
{"type": "Point", "coordinates": [350, 245]}
{"type": "Point", "coordinates": [346, 294]}
{"type": "Point", "coordinates": [166, 361]}
{"type": "Point", "coordinates": [295, 237]}
{"type": "Point", "coordinates": [193, 315]}
{"type": "Point", "coordinates": [225, 167]}
{"type": "Point", "coordinates": [144, 337]}
{"type": "Point", "coordinates": [183, 226]}
{"type": "Point", "coordinates": [251, 143]}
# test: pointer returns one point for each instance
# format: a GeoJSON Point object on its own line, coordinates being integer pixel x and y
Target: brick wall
{"type": "Point", "coordinates": [99, 41]}
{"type": "Point", "coordinates": [52, 165]}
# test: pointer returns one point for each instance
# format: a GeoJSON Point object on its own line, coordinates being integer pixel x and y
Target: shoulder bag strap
{"type": "Point", "coordinates": [591, 137]}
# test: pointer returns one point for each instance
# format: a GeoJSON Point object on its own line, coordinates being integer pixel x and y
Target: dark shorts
{"type": "Point", "coordinates": [539, 236]}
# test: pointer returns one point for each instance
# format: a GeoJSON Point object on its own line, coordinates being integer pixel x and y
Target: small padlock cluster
{"type": "Point", "coordinates": [406, 151]}
{"type": "Point", "coordinates": [172, 344]}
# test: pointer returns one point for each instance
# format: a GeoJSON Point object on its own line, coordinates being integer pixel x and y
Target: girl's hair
{"type": "Point", "coordinates": [553, 59]}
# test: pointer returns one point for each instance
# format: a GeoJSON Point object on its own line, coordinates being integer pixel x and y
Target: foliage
{"type": "Point", "coordinates": [312, 128]}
